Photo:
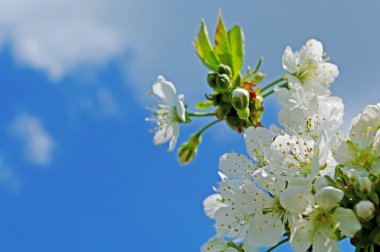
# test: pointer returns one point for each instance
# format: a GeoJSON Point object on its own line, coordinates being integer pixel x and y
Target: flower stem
{"type": "Point", "coordinates": [233, 245]}
{"type": "Point", "coordinates": [278, 244]}
{"type": "Point", "coordinates": [272, 84]}
{"type": "Point", "coordinates": [285, 85]}
{"type": "Point", "coordinates": [208, 126]}
{"type": "Point", "coordinates": [200, 114]}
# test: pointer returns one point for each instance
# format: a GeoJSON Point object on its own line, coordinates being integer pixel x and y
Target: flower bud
{"type": "Point", "coordinates": [365, 209]}
{"type": "Point", "coordinates": [223, 110]}
{"type": "Point", "coordinates": [211, 80]}
{"type": "Point", "coordinates": [224, 69]}
{"type": "Point", "coordinates": [222, 82]}
{"type": "Point", "coordinates": [240, 98]}
{"type": "Point", "coordinates": [235, 123]}
{"type": "Point", "coordinates": [365, 185]}
{"type": "Point", "coordinates": [259, 77]}
{"type": "Point", "coordinates": [187, 151]}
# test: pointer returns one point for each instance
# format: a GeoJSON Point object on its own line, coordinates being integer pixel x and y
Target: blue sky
{"type": "Point", "coordinates": [78, 169]}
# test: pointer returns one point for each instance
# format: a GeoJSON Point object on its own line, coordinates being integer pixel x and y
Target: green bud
{"type": "Point", "coordinates": [223, 110]}
{"type": "Point", "coordinates": [187, 151]}
{"type": "Point", "coordinates": [259, 77]}
{"type": "Point", "coordinates": [240, 99]}
{"type": "Point", "coordinates": [223, 82]}
{"type": "Point", "coordinates": [235, 123]}
{"type": "Point", "coordinates": [211, 80]}
{"type": "Point", "coordinates": [224, 69]}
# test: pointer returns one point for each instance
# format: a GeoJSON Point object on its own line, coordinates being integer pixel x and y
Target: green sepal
{"type": "Point", "coordinates": [204, 105]}
{"type": "Point", "coordinates": [236, 39]}
{"type": "Point", "coordinates": [204, 48]}
{"type": "Point", "coordinates": [374, 198]}
{"type": "Point", "coordinates": [236, 81]}
{"type": "Point", "coordinates": [222, 44]}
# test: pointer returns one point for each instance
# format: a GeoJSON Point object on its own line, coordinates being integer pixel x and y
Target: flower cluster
{"type": "Point", "coordinates": [237, 99]}
{"type": "Point", "coordinates": [303, 182]}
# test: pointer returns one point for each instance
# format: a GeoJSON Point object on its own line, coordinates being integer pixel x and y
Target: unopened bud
{"type": "Point", "coordinates": [365, 185]}
{"type": "Point", "coordinates": [240, 98]}
{"type": "Point", "coordinates": [259, 77]}
{"type": "Point", "coordinates": [187, 151]}
{"type": "Point", "coordinates": [224, 69]}
{"type": "Point", "coordinates": [235, 123]}
{"type": "Point", "coordinates": [223, 110]}
{"type": "Point", "coordinates": [365, 209]}
{"type": "Point", "coordinates": [211, 80]}
{"type": "Point", "coordinates": [223, 82]}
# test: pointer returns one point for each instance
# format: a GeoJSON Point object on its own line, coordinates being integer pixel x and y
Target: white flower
{"type": "Point", "coordinates": [322, 215]}
{"type": "Point", "coordinates": [217, 244]}
{"type": "Point", "coordinates": [298, 155]}
{"type": "Point", "coordinates": [168, 113]}
{"type": "Point", "coordinates": [360, 153]}
{"type": "Point", "coordinates": [305, 112]}
{"type": "Point", "coordinates": [251, 214]}
{"type": "Point", "coordinates": [309, 68]}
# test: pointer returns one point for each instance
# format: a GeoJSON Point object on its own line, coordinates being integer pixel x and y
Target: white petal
{"type": "Point", "coordinates": [257, 141]}
{"type": "Point", "coordinates": [289, 60]}
{"type": "Point", "coordinates": [300, 238]}
{"type": "Point", "coordinates": [230, 222]}
{"type": "Point", "coordinates": [326, 244]}
{"type": "Point", "coordinates": [212, 204]}
{"type": "Point", "coordinates": [174, 139]}
{"type": "Point", "coordinates": [325, 73]}
{"type": "Point", "coordinates": [181, 110]}
{"type": "Point", "coordinates": [311, 52]}
{"type": "Point", "coordinates": [347, 221]}
{"type": "Point", "coordinates": [249, 246]}
{"type": "Point", "coordinates": [328, 197]}
{"type": "Point", "coordinates": [265, 230]}
{"type": "Point", "coordinates": [297, 200]}
{"type": "Point", "coordinates": [165, 90]}
{"type": "Point", "coordinates": [343, 154]}
{"type": "Point", "coordinates": [234, 165]}
{"type": "Point", "coordinates": [269, 182]}
{"type": "Point", "coordinates": [163, 134]}
{"type": "Point", "coordinates": [217, 244]}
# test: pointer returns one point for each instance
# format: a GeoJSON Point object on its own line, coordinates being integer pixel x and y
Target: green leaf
{"type": "Point", "coordinates": [204, 105]}
{"type": "Point", "coordinates": [236, 41]}
{"type": "Point", "coordinates": [204, 48]}
{"type": "Point", "coordinates": [222, 45]}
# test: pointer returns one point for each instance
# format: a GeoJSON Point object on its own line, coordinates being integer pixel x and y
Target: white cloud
{"type": "Point", "coordinates": [38, 144]}
{"type": "Point", "coordinates": [8, 178]}
{"type": "Point", "coordinates": [62, 36]}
